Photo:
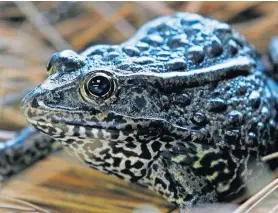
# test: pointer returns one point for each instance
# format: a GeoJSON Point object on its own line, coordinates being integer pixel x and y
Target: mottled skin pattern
{"type": "Point", "coordinates": [189, 114]}
{"type": "Point", "coordinates": [25, 149]}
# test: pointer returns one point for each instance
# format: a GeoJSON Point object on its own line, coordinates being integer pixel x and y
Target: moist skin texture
{"type": "Point", "coordinates": [189, 113]}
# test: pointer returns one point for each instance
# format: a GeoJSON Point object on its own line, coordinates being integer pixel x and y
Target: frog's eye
{"type": "Point", "coordinates": [99, 85]}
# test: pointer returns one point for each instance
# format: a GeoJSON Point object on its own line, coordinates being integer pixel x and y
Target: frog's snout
{"type": "Point", "coordinates": [30, 103]}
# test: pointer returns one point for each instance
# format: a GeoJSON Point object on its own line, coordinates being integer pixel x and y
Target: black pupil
{"type": "Point", "coordinates": [99, 86]}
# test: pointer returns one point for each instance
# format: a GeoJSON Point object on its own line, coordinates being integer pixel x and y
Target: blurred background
{"type": "Point", "coordinates": [30, 32]}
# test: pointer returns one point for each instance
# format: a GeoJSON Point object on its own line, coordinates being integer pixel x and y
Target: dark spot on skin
{"type": "Point", "coordinates": [242, 88]}
{"type": "Point", "coordinates": [166, 154]}
{"type": "Point", "coordinates": [34, 104]}
{"type": "Point", "coordinates": [53, 131]}
{"type": "Point", "coordinates": [131, 51]}
{"type": "Point", "coordinates": [232, 47]}
{"type": "Point", "coordinates": [182, 100]}
{"type": "Point", "coordinates": [164, 27]}
{"type": "Point", "coordinates": [76, 131]}
{"type": "Point", "coordinates": [167, 139]}
{"type": "Point", "coordinates": [215, 48]}
{"type": "Point", "coordinates": [153, 40]}
{"type": "Point", "coordinates": [199, 118]}
{"type": "Point", "coordinates": [178, 41]}
{"type": "Point", "coordinates": [70, 140]}
{"type": "Point", "coordinates": [116, 161]}
{"type": "Point", "coordinates": [235, 117]}
{"type": "Point", "coordinates": [144, 60]}
{"type": "Point", "coordinates": [79, 142]}
{"type": "Point", "coordinates": [232, 136]}
{"type": "Point", "coordinates": [145, 152]}
{"type": "Point", "coordinates": [142, 46]}
{"type": "Point", "coordinates": [129, 139]}
{"type": "Point", "coordinates": [114, 134]}
{"type": "Point", "coordinates": [112, 48]}
{"type": "Point", "coordinates": [176, 64]}
{"type": "Point", "coordinates": [189, 21]}
{"type": "Point", "coordinates": [138, 165]}
{"type": "Point", "coordinates": [156, 146]}
{"type": "Point", "coordinates": [223, 28]}
{"type": "Point", "coordinates": [164, 100]}
{"type": "Point", "coordinates": [88, 132]}
{"type": "Point", "coordinates": [112, 55]}
{"type": "Point", "coordinates": [181, 121]}
{"type": "Point", "coordinates": [140, 102]}
{"type": "Point", "coordinates": [155, 167]}
{"type": "Point", "coordinates": [159, 181]}
{"type": "Point", "coordinates": [165, 54]}
{"type": "Point", "coordinates": [125, 152]}
{"type": "Point", "coordinates": [124, 66]}
{"type": "Point", "coordinates": [104, 151]}
{"type": "Point", "coordinates": [100, 134]}
{"type": "Point", "coordinates": [98, 51]}
{"type": "Point", "coordinates": [216, 105]}
{"type": "Point", "coordinates": [195, 54]}
{"type": "Point", "coordinates": [131, 145]}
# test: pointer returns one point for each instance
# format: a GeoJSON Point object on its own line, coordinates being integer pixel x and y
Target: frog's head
{"type": "Point", "coordinates": [140, 88]}
{"type": "Point", "coordinates": [83, 100]}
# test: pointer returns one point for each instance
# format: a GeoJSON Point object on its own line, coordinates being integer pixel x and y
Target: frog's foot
{"type": "Point", "coordinates": [20, 152]}
{"type": "Point", "coordinates": [272, 59]}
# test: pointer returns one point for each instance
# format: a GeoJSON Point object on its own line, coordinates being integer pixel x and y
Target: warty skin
{"type": "Point", "coordinates": [184, 108]}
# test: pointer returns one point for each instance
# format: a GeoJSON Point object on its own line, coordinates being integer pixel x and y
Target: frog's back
{"type": "Point", "coordinates": [190, 48]}
{"type": "Point", "coordinates": [183, 42]}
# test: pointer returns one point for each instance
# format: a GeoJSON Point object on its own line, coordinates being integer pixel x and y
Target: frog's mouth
{"type": "Point", "coordinates": [67, 130]}
{"type": "Point", "coordinates": [71, 124]}
{"type": "Point", "coordinates": [106, 128]}
{"type": "Point", "coordinates": [60, 123]}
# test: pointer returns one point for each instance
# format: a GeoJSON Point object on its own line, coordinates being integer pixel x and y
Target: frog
{"type": "Point", "coordinates": [186, 107]}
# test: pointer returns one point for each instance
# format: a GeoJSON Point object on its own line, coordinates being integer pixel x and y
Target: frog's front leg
{"type": "Point", "coordinates": [23, 150]}
{"type": "Point", "coordinates": [191, 174]}
{"type": "Point", "coordinates": [172, 176]}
